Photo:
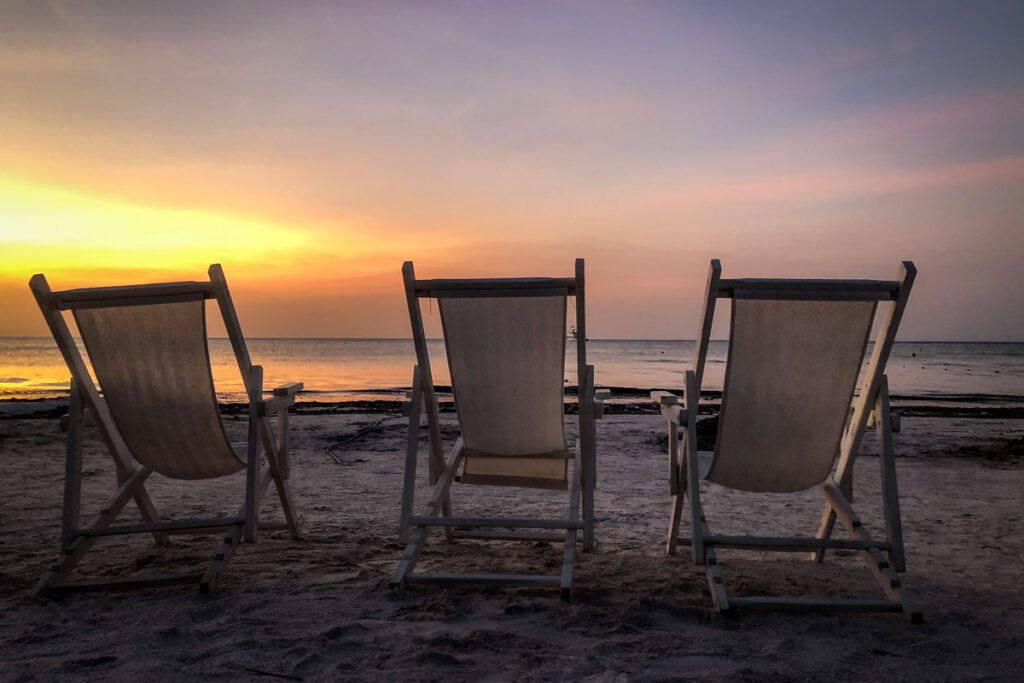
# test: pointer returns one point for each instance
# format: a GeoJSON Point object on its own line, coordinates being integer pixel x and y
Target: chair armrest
{"type": "Point", "coordinates": [677, 415]}
{"type": "Point", "coordinates": [407, 404]}
{"type": "Point", "coordinates": [275, 404]}
{"type": "Point", "coordinates": [894, 422]}
{"type": "Point", "coordinates": [288, 389]}
{"type": "Point", "coordinates": [664, 398]}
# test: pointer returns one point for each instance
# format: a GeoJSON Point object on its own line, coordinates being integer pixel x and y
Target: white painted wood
{"type": "Point", "coordinates": [692, 467]}
{"type": "Point", "coordinates": [72, 468]}
{"type": "Point", "coordinates": [863, 406]}
{"type": "Point", "coordinates": [890, 494]}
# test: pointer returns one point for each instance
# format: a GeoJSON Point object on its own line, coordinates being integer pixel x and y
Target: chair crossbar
{"type": "Point", "coordinates": [498, 522]}
{"type": "Point", "coordinates": [511, 536]}
{"type": "Point", "coordinates": [94, 297]}
{"type": "Point", "coordinates": [855, 290]}
{"type": "Point", "coordinates": [182, 527]}
{"type": "Point", "coordinates": [810, 604]}
{"type": "Point", "coordinates": [785, 544]}
{"type": "Point", "coordinates": [125, 583]}
{"type": "Point", "coordinates": [484, 579]}
{"type": "Point", "coordinates": [438, 288]}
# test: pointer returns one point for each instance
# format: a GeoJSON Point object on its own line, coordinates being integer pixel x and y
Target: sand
{"type": "Point", "coordinates": [320, 608]}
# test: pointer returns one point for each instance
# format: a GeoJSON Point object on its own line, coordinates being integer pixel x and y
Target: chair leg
{"type": "Point", "coordinates": [692, 468]}
{"type": "Point", "coordinates": [569, 554]}
{"type": "Point", "coordinates": [72, 470]}
{"type": "Point", "coordinates": [678, 502]}
{"type": "Point", "coordinates": [890, 494]}
{"type": "Point", "coordinates": [418, 538]}
{"type": "Point", "coordinates": [254, 455]}
{"type": "Point", "coordinates": [677, 487]}
{"type": "Point", "coordinates": [412, 410]}
{"type": "Point", "coordinates": [276, 463]}
{"type": "Point", "coordinates": [78, 547]}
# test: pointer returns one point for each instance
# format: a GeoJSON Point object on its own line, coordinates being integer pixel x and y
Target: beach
{"type": "Point", "coordinates": [320, 608]}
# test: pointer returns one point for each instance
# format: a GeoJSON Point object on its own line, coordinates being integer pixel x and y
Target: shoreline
{"type": "Point", "coordinates": [624, 401]}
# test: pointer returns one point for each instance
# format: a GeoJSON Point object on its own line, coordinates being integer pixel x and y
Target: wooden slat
{"type": "Point", "coordinates": [94, 403]}
{"type": "Point", "coordinates": [704, 338]}
{"type": "Point", "coordinates": [890, 494]}
{"type": "Point", "coordinates": [588, 455]}
{"type": "Point", "coordinates": [496, 293]}
{"type": "Point", "coordinates": [712, 570]}
{"type": "Point", "coordinates": [803, 604]}
{"type": "Point", "coordinates": [412, 444]}
{"type": "Point", "coordinates": [435, 461]}
{"type": "Point", "coordinates": [569, 552]}
{"type": "Point", "coordinates": [809, 295]}
{"type": "Point", "coordinates": [785, 544]}
{"type": "Point", "coordinates": [860, 290]}
{"type": "Point", "coordinates": [863, 406]}
{"type": "Point", "coordinates": [418, 538]}
{"type": "Point", "coordinates": [128, 295]}
{"type": "Point", "coordinates": [872, 557]}
{"type": "Point", "coordinates": [510, 536]}
{"type": "Point", "coordinates": [74, 553]}
{"type": "Point", "coordinates": [485, 579]}
{"type": "Point", "coordinates": [664, 398]}
{"type": "Point", "coordinates": [208, 582]}
{"type": "Point", "coordinates": [182, 526]}
{"type": "Point", "coordinates": [72, 468]}
{"type": "Point", "coordinates": [442, 287]}
{"type": "Point", "coordinates": [288, 389]}
{"type": "Point", "coordinates": [690, 461]}
{"type": "Point", "coordinates": [496, 522]}
{"type": "Point", "coordinates": [125, 583]}
{"type": "Point", "coordinates": [254, 387]}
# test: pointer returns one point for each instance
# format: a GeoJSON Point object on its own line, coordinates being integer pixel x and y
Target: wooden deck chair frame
{"type": "Point", "coordinates": [414, 530]}
{"type": "Point", "coordinates": [87, 405]}
{"type": "Point", "coordinates": [870, 408]}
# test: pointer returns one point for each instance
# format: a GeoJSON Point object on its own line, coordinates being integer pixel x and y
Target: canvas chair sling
{"type": "Point", "coordinates": [796, 348]}
{"type": "Point", "coordinates": [158, 412]}
{"type": "Point", "coordinates": [505, 345]}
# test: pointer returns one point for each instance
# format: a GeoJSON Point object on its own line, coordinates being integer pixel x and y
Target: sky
{"type": "Point", "coordinates": [312, 147]}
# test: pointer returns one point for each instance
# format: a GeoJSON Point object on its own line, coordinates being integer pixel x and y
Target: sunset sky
{"type": "Point", "coordinates": [312, 147]}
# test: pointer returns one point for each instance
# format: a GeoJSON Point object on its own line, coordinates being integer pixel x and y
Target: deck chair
{"type": "Point", "coordinates": [505, 341]}
{"type": "Point", "coordinates": [796, 348]}
{"type": "Point", "coordinates": [158, 412]}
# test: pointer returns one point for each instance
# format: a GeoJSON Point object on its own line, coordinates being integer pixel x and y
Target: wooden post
{"type": "Point", "coordinates": [411, 456]}
{"type": "Point", "coordinates": [419, 337]}
{"type": "Point", "coordinates": [233, 327]}
{"type": "Point", "coordinates": [589, 471]}
{"type": "Point", "coordinates": [692, 467]}
{"type": "Point", "coordinates": [864, 405]}
{"type": "Point", "coordinates": [253, 453]}
{"type": "Point", "coordinates": [72, 469]}
{"type": "Point", "coordinates": [706, 319]}
{"type": "Point", "coordinates": [283, 466]}
{"type": "Point", "coordinates": [890, 494]}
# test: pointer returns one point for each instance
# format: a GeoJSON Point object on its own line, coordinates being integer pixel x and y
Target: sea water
{"type": "Point", "coordinates": [354, 369]}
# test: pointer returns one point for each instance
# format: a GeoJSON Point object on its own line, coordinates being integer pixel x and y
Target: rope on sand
{"type": "Point", "coordinates": [352, 437]}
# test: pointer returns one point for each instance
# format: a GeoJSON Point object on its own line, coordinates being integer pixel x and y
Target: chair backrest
{"type": "Point", "coordinates": [505, 343]}
{"type": "Point", "coordinates": [147, 347]}
{"type": "Point", "coordinates": [796, 348]}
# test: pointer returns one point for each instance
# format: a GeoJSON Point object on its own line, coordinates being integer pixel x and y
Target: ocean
{"type": "Point", "coordinates": [341, 370]}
